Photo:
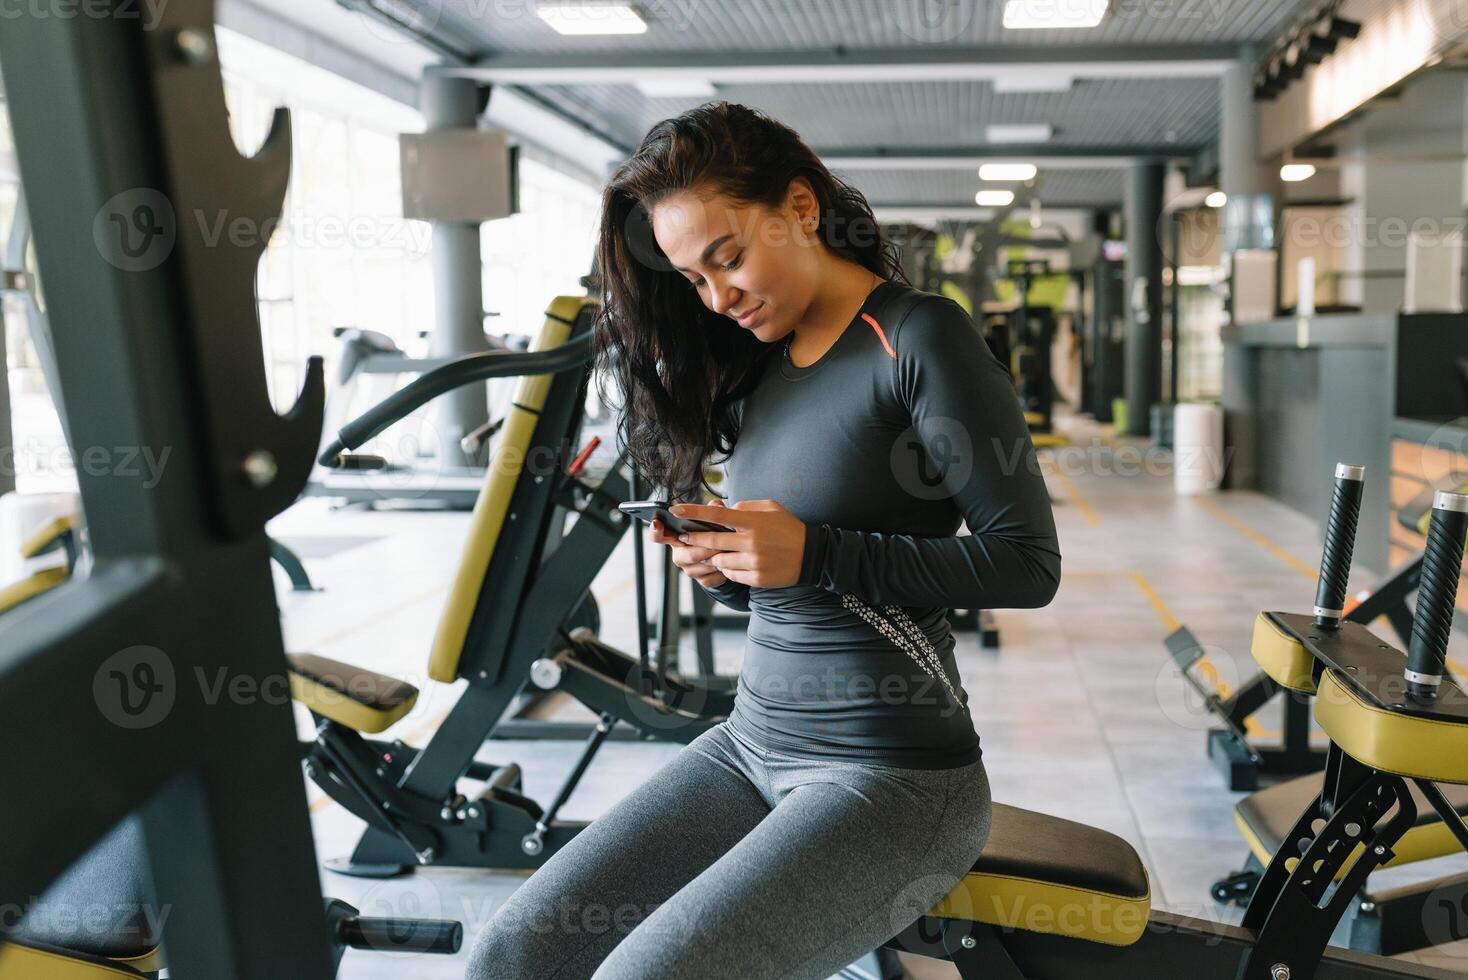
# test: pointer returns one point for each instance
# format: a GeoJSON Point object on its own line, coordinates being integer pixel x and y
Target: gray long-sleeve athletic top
{"type": "Point", "coordinates": [904, 428]}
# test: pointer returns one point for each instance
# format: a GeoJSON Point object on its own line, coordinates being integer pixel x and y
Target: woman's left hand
{"type": "Point", "coordinates": [764, 549]}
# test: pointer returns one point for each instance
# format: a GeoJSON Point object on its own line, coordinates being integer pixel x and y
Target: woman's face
{"type": "Point", "coordinates": [757, 266]}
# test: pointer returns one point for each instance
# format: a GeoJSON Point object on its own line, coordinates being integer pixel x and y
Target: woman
{"type": "Point", "coordinates": [753, 310]}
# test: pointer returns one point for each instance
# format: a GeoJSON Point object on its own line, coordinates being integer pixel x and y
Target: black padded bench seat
{"type": "Point", "coordinates": [1043, 874]}
{"type": "Point", "coordinates": [362, 700]}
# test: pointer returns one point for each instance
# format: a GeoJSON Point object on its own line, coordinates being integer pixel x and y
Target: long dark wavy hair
{"type": "Point", "coordinates": [679, 369]}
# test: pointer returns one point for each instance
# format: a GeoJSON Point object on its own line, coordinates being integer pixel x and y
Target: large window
{"type": "Point", "coordinates": [541, 252]}
{"type": "Point", "coordinates": [342, 254]}
{"type": "Point", "coordinates": [345, 256]}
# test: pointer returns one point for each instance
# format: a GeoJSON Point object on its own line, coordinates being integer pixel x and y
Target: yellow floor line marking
{"type": "Point", "coordinates": [1257, 538]}
{"type": "Point", "coordinates": [617, 589]}
{"type": "Point", "coordinates": [1075, 496]}
{"type": "Point", "coordinates": [1168, 619]}
{"type": "Point", "coordinates": [1206, 668]}
{"type": "Point", "coordinates": [1286, 557]}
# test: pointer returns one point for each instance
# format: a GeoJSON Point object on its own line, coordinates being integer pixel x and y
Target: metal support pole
{"type": "Point", "coordinates": [1249, 212]}
{"type": "Point", "coordinates": [7, 432]}
{"type": "Point", "coordinates": [1144, 296]}
{"type": "Point", "coordinates": [458, 291]}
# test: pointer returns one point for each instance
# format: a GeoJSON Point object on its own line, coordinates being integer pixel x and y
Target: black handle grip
{"type": "Point", "coordinates": [1340, 542]}
{"type": "Point", "coordinates": [1437, 594]}
{"type": "Point", "coordinates": [401, 935]}
{"type": "Point", "coordinates": [361, 461]}
{"type": "Point", "coordinates": [573, 355]}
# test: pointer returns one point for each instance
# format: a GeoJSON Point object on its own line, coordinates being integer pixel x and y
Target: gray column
{"type": "Point", "coordinates": [458, 290]}
{"type": "Point", "coordinates": [1249, 215]}
{"type": "Point", "coordinates": [1239, 169]}
{"type": "Point", "coordinates": [1143, 385]}
{"type": "Point", "coordinates": [12, 265]}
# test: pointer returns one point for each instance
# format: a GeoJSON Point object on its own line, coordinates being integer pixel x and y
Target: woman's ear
{"type": "Point", "coordinates": [803, 204]}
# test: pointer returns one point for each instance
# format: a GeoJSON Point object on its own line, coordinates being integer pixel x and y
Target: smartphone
{"type": "Point", "coordinates": [646, 510]}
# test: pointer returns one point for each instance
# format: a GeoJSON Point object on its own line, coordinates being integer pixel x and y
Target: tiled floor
{"type": "Point", "coordinates": [1079, 711]}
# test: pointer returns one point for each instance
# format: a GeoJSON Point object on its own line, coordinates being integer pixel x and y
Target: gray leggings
{"type": "Point", "coordinates": [734, 861]}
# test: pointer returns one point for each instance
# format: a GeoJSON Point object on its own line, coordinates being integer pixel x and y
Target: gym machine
{"type": "Point", "coordinates": [1032, 332]}
{"type": "Point", "coordinates": [1055, 899]}
{"type": "Point", "coordinates": [17, 282]}
{"type": "Point", "coordinates": [223, 811]}
{"type": "Point", "coordinates": [1103, 340]}
{"type": "Point", "coordinates": [1243, 763]}
{"type": "Point", "coordinates": [180, 578]}
{"type": "Point", "coordinates": [364, 354]}
{"type": "Point", "coordinates": [519, 612]}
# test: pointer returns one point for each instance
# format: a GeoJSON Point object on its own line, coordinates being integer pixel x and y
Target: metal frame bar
{"type": "Point", "coordinates": [1046, 156]}
{"type": "Point", "coordinates": [182, 578]}
{"type": "Point", "coordinates": [1172, 945]}
{"type": "Point", "coordinates": [918, 62]}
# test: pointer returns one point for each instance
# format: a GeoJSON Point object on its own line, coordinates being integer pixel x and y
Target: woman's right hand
{"type": "Point", "coordinates": [693, 561]}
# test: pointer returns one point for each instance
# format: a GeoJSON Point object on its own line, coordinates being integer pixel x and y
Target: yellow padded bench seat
{"type": "Point", "coordinates": [493, 504]}
{"type": "Point", "coordinates": [28, 588]}
{"type": "Point", "coordinates": [33, 961]}
{"type": "Point", "coordinates": [363, 700]}
{"type": "Point", "coordinates": [1392, 741]}
{"type": "Point", "coordinates": [1043, 874]}
{"type": "Point", "coordinates": [48, 537]}
{"type": "Point", "coordinates": [1264, 819]}
{"type": "Point", "coordinates": [1281, 656]}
